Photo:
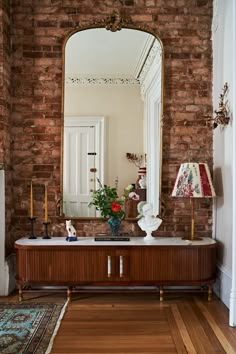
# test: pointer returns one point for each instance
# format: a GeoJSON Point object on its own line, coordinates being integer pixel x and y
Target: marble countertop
{"type": "Point", "coordinates": [133, 241]}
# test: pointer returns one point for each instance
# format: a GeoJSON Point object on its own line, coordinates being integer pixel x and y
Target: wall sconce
{"type": "Point", "coordinates": [221, 117]}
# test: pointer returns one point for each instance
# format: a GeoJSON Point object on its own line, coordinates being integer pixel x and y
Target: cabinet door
{"type": "Point", "coordinates": [95, 264]}
{"type": "Point", "coordinates": [172, 264]}
{"type": "Point", "coordinates": [86, 265]}
{"type": "Point", "coordinates": [147, 264]}
{"type": "Point", "coordinates": [67, 265]}
{"type": "Point", "coordinates": [164, 264]}
{"type": "Point", "coordinates": [73, 264]}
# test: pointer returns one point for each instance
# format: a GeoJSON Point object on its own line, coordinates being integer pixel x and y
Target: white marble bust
{"type": "Point", "coordinates": [148, 221]}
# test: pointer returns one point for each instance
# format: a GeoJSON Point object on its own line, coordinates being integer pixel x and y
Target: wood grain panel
{"type": "Point", "coordinates": [111, 265]}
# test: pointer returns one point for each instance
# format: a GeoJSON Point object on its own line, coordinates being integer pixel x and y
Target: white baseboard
{"type": "Point", "coordinates": [223, 284]}
{"type": "Point", "coordinates": [8, 282]}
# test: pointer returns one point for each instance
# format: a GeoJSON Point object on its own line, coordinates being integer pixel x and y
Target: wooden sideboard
{"type": "Point", "coordinates": [159, 263]}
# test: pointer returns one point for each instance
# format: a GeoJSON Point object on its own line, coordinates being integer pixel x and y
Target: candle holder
{"type": "Point", "coordinates": [32, 220]}
{"type": "Point", "coordinates": [46, 237]}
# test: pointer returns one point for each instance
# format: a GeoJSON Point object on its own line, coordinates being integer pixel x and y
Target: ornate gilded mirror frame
{"type": "Point", "coordinates": [115, 22]}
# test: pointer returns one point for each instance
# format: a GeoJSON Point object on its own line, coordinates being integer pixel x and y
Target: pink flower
{"type": "Point", "coordinates": [133, 196]}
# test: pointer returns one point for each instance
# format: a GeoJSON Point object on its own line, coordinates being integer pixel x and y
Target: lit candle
{"type": "Point", "coordinates": [46, 204]}
{"type": "Point", "coordinates": [31, 200]}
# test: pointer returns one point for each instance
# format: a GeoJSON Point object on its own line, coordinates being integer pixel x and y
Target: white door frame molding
{"type": "Point", "coordinates": [232, 308]}
{"type": "Point", "coordinates": [152, 97]}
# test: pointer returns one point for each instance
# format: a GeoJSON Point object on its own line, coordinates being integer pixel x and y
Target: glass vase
{"type": "Point", "coordinates": [114, 224]}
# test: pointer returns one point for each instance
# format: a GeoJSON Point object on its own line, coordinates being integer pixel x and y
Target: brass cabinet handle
{"type": "Point", "coordinates": [121, 267]}
{"type": "Point", "coordinates": [108, 266]}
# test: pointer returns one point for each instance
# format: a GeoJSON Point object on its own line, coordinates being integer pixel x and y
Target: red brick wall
{"type": "Point", "coordinates": [5, 101]}
{"type": "Point", "coordinates": [38, 31]}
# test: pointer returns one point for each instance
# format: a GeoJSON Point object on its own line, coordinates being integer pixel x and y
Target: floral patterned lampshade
{"type": "Point", "coordinates": [193, 181]}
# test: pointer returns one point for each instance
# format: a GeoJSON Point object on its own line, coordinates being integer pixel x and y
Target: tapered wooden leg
{"type": "Point", "coordinates": [161, 294]}
{"type": "Point", "coordinates": [69, 293]}
{"type": "Point", "coordinates": [20, 294]}
{"type": "Point", "coordinates": [209, 292]}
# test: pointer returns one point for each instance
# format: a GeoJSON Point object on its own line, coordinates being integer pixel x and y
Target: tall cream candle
{"type": "Point", "coordinates": [46, 204]}
{"type": "Point", "coordinates": [31, 200]}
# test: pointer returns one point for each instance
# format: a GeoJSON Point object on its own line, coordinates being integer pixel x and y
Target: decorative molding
{"type": "Point", "coordinates": [143, 56]}
{"type": "Point", "coordinates": [156, 51]}
{"type": "Point", "coordinates": [215, 19]}
{"type": "Point", "coordinates": [153, 73]}
{"type": "Point", "coordinates": [76, 80]}
{"type": "Point", "coordinates": [115, 22]}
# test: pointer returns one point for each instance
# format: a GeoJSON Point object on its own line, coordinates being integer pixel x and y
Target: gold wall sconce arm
{"type": "Point", "coordinates": [221, 114]}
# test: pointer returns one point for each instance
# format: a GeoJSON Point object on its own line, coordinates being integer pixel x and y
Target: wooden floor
{"type": "Point", "coordinates": [139, 323]}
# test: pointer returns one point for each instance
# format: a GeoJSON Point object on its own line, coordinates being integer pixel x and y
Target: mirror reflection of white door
{"type": "Point", "coordinates": [82, 164]}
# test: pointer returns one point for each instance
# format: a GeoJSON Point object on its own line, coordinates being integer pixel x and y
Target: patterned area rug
{"type": "Point", "coordinates": [29, 328]}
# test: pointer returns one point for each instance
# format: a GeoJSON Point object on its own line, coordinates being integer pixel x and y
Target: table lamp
{"type": "Point", "coordinates": [193, 181]}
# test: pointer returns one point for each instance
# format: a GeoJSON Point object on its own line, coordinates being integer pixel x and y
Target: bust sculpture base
{"type": "Point", "coordinates": [148, 236]}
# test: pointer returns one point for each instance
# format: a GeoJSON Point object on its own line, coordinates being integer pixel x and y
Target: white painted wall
{"type": "Point", "coordinates": [122, 107]}
{"type": "Point", "coordinates": [224, 154]}
{"type": "Point", "coordinates": [7, 266]}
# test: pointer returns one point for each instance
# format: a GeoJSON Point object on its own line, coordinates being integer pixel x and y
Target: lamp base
{"type": "Point", "coordinates": [189, 239]}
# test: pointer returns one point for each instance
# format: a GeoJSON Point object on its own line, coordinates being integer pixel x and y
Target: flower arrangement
{"type": "Point", "coordinates": [130, 194]}
{"type": "Point", "coordinates": [107, 201]}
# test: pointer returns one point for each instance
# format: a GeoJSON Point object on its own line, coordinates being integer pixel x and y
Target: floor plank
{"type": "Point", "coordinates": [217, 330]}
{"type": "Point", "coordinates": [140, 324]}
{"type": "Point", "coordinates": [177, 338]}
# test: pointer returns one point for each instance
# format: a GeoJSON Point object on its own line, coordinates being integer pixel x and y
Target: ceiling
{"type": "Point", "coordinates": [96, 53]}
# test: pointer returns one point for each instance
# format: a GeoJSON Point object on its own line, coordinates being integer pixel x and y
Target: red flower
{"type": "Point", "coordinates": [115, 207]}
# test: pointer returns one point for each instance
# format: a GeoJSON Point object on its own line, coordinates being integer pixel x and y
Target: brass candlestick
{"type": "Point", "coordinates": [46, 237]}
{"type": "Point", "coordinates": [32, 220]}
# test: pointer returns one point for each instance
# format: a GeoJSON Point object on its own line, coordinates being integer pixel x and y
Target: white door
{"type": "Point", "coordinates": [79, 182]}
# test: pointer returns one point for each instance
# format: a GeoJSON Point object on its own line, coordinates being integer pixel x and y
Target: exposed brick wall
{"type": "Point", "coordinates": [5, 101]}
{"type": "Point", "coordinates": [39, 29]}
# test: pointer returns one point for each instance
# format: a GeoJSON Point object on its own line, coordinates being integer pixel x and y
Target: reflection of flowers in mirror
{"type": "Point", "coordinates": [107, 201]}
{"type": "Point", "coordinates": [127, 191]}
{"type": "Point", "coordinates": [134, 196]}
{"type": "Point", "coordinates": [130, 194]}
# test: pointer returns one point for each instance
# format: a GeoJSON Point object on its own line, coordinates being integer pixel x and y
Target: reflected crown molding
{"type": "Point", "coordinates": [115, 22]}
{"type": "Point", "coordinates": [154, 52]}
{"type": "Point", "coordinates": [76, 80]}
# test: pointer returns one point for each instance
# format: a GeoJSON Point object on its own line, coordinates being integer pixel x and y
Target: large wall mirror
{"type": "Point", "coordinates": [113, 99]}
